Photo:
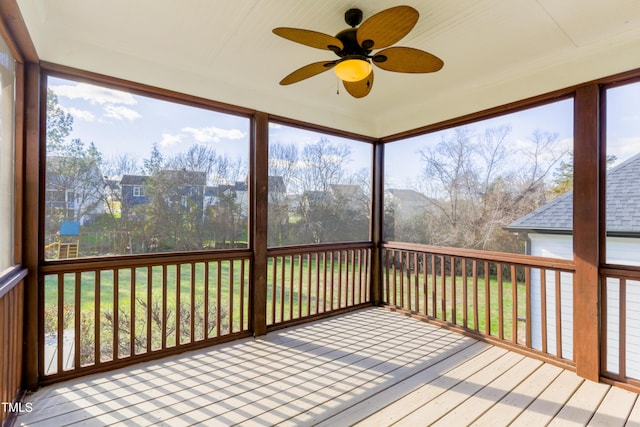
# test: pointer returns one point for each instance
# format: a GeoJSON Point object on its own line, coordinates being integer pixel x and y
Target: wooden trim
{"type": "Point", "coordinates": [31, 214]}
{"type": "Point", "coordinates": [321, 129]}
{"type": "Point", "coordinates": [132, 261]}
{"type": "Point", "coordinates": [19, 165]}
{"type": "Point", "coordinates": [10, 278]}
{"type": "Point", "coordinates": [377, 222]}
{"type": "Point", "coordinates": [320, 247]}
{"type": "Point", "coordinates": [586, 221]}
{"type": "Point", "coordinates": [260, 209]}
{"type": "Point", "coordinates": [15, 29]}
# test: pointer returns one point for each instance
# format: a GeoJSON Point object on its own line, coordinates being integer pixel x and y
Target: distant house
{"type": "Point", "coordinates": [75, 189]}
{"type": "Point", "coordinates": [177, 186]}
{"type": "Point", "coordinates": [549, 233]}
{"type": "Point", "coordinates": [406, 204]}
{"type": "Point", "coordinates": [133, 192]}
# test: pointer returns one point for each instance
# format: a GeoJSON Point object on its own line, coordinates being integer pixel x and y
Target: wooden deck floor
{"type": "Point", "coordinates": [370, 367]}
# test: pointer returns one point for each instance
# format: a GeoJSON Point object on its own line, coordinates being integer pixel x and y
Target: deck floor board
{"type": "Point", "coordinates": [371, 367]}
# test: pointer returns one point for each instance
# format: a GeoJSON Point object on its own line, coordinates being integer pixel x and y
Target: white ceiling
{"type": "Point", "coordinates": [495, 52]}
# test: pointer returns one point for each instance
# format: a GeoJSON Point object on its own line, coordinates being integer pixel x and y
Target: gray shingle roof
{"type": "Point", "coordinates": [623, 205]}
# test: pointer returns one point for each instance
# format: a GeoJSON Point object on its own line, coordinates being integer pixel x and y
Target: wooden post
{"type": "Point", "coordinates": [259, 206]}
{"type": "Point", "coordinates": [377, 212]}
{"type": "Point", "coordinates": [30, 245]}
{"type": "Point", "coordinates": [586, 232]}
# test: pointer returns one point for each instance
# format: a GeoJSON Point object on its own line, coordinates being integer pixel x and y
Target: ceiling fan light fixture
{"type": "Point", "coordinates": [353, 69]}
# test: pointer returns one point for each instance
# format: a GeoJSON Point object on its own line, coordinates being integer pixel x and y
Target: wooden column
{"type": "Point", "coordinates": [258, 223]}
{"type": "Point", "coordinates": [586, 233]}
{"type": "Point", "coordinates": [30, 244]}
{"type": "Point", "coordinates": [377, 212]}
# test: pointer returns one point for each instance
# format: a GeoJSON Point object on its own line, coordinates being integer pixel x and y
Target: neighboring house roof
{"type": "Point", "coordinates": [133, 179]}
{"type": "Point", "coordinates": [623, 200]}
{"type": "Point", "coordinates": [407, 195]}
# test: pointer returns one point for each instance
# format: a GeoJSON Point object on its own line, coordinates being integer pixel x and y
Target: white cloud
{"type": "Point", "coordinates": [213, 134]}
{"type": "Point", "coordinates": [77, 114]}
{"type": "Point", "coordinates": [274, 125]}
{"type": "Point", "coordinates": [168, 139]}
{"type": "Point", "coordinates": [119, 112]}
{"type": "Point", "coordinates": [93, 94]}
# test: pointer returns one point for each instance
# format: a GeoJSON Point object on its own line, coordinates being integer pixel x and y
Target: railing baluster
{"type": "Point", "coordinates": [622, 329]}
{"type": "Point", "coordinates": [76, 314]}
{"type": "Point", "coordinates": [352, 283]}
{"type": "Point", "coordinates": [231, 293]}
{"type": "Point", "coordinates": [218, 298]}
{"type": "Point", "coordinates": [60, 322]}
{"type": "Point", "coordinates": [487, 298]}
{"type": "Point", "coordinates": [558, 316]}
{"type": "Point", "coordinates": [274, 288]}
{"type": "Point", "coordinates": [149, 306]}
{"type": "Point", "coordinates": [543, 307]}
{"type": "Point", "coordinates": [604, 348]}
{"type": "Point", "coordinates": [416, 280]}
{"type": "Point", "coordinates": [242, 306]}
{"type": "Point", "coordinates": [425, 289]}
{"type": "Point", "coordinates": [291, 285]}
{"type": "Point", "coordinates": [454, 302]}
{"type": "Point", "coordinates": [476, 307]}
{"type": "Point", "coordinates": [192, 312]}
{"type": "Point", "coordinates": [514, 304]}
{"type": "Point", "coordinates": [339, 279]}
{"type": "Point", "coordinates": [527, 286]}
{"type": "Point", "coordinates": [164, 307]}
{"type": "Point", "coordinates": [132, 313]}
{"type": "Point", "coordinates": [300, 276]}
{"type": "Point", "coordinates": [205, 332]}
{"type": "Point", "coordinates": [116, 314]}
{"type": "Point", "coordinates": [283, 271]}
{"type": "Point", "coordinates": [443, 289]}
{"type": "Point", "coordinates": [317, 268]}
{"type": "Point", "coordinates": [97, 318]}
{"type": "Point", "coordinates": [434, 298]}
{"type": "Point", "coordinates": [178, 302]}
{"type": "Point", "coordinates": [500, 302]}
{"type": "Point", "coordinates": [324, 282]}
{"type": "Point", "coordinates": [465, 299]}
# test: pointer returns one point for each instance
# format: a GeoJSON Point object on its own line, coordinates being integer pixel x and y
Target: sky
{"type": "Point", "coordinates": [121, 123]}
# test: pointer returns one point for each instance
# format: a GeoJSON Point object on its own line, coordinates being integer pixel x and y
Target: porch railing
{"type": "Point", "coordinates": [620, 325]}
{"type": "Point", "coordinates": [308, 281]}
{"type": "Point", "coordinates": [100, 314]}
{"type": "Point", "coordinates": [523, 302]}
{"type": "Point", "coordinates": [11, 321]}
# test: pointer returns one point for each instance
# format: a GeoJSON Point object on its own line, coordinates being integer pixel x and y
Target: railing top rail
{"type": "Point", "coordinates": [10, 278]}
{"type": "Point", "coordinates": [321, 247]}
{"type": "Point", "coordinates": [83, 264]}
{"type": "Point", "coordinates": [524, 260]}
{"type": "Point", "coordinates": [620, 271]}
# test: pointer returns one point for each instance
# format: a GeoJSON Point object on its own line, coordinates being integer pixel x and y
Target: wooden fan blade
{"type": "Point", "coordinates": [310, 38]}
{"type": "Point", "coordinates": [307, 71]}
{"type": "Point", "coordinates": [407, 60]}
{"type": "Point", "coordinates": [387, 27]}
{"type": "Point", "coordinates": [361, 88]}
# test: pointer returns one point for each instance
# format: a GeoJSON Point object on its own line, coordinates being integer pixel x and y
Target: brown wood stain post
{"type": "Point", "coordinates": [259, 190]}
{"type": "Point", "coordinates": [586, 231]}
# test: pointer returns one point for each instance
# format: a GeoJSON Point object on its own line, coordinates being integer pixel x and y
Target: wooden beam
{"type": "Point", "coordinates": [586, 231]}
{"type": "Point", "coordinates": [259, 205]}
{"type": "Point", "coordinates": [377, 217]}
{"type": "Point", "coordinates": [30, 246]}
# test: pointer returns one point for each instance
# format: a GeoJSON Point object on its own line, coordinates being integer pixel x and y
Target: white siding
{"type": "Point", "coordinates": [552, 246]}
{"type": "Point", "coordinates": [620, 250]}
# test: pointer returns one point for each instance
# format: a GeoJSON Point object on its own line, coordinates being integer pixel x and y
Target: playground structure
{"type": "Point", "coordinates": [66, 245]}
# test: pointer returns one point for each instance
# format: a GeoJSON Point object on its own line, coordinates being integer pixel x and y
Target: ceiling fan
{"type": "Point", "coordinates": [354, 47]}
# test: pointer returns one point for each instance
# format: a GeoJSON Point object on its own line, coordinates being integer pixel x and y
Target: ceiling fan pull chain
{"type": "Point", "coordinates": [337, 86]}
